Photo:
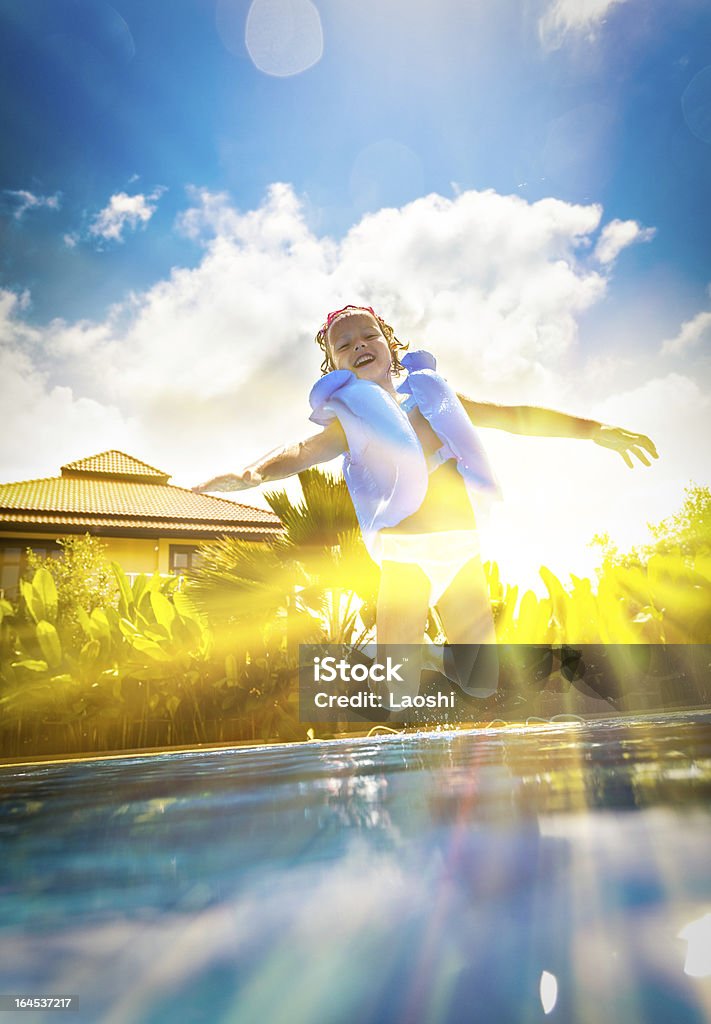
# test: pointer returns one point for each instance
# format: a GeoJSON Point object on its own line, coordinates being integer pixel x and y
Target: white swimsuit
{"type": "Point", "coordinates": [440, 555]}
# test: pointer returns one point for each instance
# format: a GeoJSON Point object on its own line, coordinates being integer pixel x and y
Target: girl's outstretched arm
{"type": "Point", "coordinates": [283, 462]}
{"type": "Point", "coordinates": [531, 420]}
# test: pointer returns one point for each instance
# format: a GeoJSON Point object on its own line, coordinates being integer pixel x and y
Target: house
{"type": "Point", "coordinates": [147, 524]}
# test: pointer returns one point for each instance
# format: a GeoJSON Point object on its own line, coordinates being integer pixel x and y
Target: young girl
{"type": "Point", "coordinates": [414, 465]}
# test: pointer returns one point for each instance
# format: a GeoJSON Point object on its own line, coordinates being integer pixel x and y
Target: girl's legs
{"type": "Point", "coordinates": [465, 607]}
{"type": "Point", "coordinates": [403, 602]}
{"type": "Point", "coordinates": [465, 611]}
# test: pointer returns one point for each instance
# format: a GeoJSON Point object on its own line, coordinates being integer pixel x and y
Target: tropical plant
{"type": "Point", "coordinates": [322, 540]}
{"type": "Point", "coordinates": [148, 664]}
{"type": "Point", "coordinates": [82, 577]}
{"type": "Point", "coordinates": [315, 582]}
{"type": "Point", "coordinates": [668, 600]}
{"type": "Point", "coordinates": [686, 532]}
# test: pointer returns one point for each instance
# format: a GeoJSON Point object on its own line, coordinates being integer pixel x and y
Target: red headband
{"type": "Point", "coordinates": [337, 312]}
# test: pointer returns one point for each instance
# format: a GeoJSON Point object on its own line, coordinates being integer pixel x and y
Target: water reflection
{"type": "Point", "coordinates": [698, 955]}
{"type": "Point", "coordinates": [351, 799]}
{"type": "Point", "coordinates": [524, 872]}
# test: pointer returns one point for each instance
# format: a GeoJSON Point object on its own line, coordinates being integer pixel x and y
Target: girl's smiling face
{"type": "Point", "coordinates": [357, 344]}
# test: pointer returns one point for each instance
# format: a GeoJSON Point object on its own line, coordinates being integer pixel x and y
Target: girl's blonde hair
{"type": "Point", "coordinates": [388, 332]}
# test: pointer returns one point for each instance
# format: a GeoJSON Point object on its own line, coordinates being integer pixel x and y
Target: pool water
{"type": "Point", "coordinates": [556, 872]}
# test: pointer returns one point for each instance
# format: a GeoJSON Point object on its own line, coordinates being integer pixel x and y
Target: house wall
{"type": "Point", "coordinates": [134, 554]}
{"type": "Point", "coordinates": [147, 555]}
{"type": "Point", "coordinates": [164, 545]}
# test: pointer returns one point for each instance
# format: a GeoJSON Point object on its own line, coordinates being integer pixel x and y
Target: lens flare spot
{"type": "Point", "coordinates": [284, 37]}
{"type": "Point", "coordinates": [698, 954]}
{"type": "Point", "coordinates": [548, 990]}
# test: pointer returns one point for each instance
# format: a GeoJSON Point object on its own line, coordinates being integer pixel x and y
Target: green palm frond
{"type": "Point", "coordinates": [319, 567]}
{"type": "Point", "coordinates": [326, 510]}
{"type": "Point", "coordinates": [242, 580]}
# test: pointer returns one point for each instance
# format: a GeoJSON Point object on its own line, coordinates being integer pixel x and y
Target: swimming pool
{"type": "Point", "coordinates": [556, 872]}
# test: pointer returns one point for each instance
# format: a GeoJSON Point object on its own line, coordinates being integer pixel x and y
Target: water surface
{"type": "Point", "coordinates": [556, 872]}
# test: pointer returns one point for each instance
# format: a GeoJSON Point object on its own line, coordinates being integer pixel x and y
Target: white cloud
{"type": "Point", "coordinates": [123, 211]}
{"type": "Point", "coordinates": [20, 201]}
{"type": "Point", "coordinates": [578, 18]}
{"type": "Point", "coordinates": [211, 367]}
{"type": "Point", "coordinates": [617, 235]}
{"type": "Point", "coordinates": [55, 424]}
{"type": "Point", "coordinates": [496, 281]}
{"type": "Point", "coordinates": [692, 333]}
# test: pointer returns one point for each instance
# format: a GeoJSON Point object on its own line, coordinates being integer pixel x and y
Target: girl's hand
{"type": "Point", "coordinates": [624, 442]}
{"type": "Point", "coordinates": [230, 482]}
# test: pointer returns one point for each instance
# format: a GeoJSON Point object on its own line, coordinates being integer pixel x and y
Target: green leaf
{"type": "Point", "coordinates": [155, 582]}
{"type": "Point", "coordinates": [151, 648]}
{"type": "Point", "coordinates": [163, 610]}
{"type": "Point", "coordinates": [89, 653]}
{"type": "Point", "coordinates": [126, 603]}
{"type": "Point", "coordinates": [112, 618]}
{"type": "Point", "coordinates": [143, 621]}
{"type": "Point", "coordinates": [100, 620]}
{"type": "Point", "coordinates": [139, 585]}
{"type": "Point", "coordinates": [31, 600]}
{"type": "Point", "coordinates": [46, 591]}
{"type": "Point", "coordinates": [156, 632]}
{"type": "Point", "coordinates": [49, 642]}
{"type": "Point", "coordinates": [128, 628]}
{"type": "Point", "coordinates": [169, 584]}
{"type": "Point", "coordinates": [187, 608]}
{"type": "Point", "coordinates": [182, 634]}
{"type": "Point", "coordinates": [86, 624]}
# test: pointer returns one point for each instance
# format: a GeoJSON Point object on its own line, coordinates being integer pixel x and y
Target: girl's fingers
{"type": "Point", "coordinates": [640, 455]}
{"type": "Point", "coordinates": [642, 441]}
{"type": "Point", "coordinates": [625, 442]}
{"type": "Point", "coordinates": [648, 445]}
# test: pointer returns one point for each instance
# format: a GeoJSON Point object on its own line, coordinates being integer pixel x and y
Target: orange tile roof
{"type": "Point", "coordinates": [115, 464]}
{"type": "Point", "coordinates": [20, 520]}
{"type": "Point", "coordinates": [114, 490]}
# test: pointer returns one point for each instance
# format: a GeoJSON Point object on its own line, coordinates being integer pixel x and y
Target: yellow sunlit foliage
{"type": "Point", "coordinates": [150, 665]}
{"type": "Point", "coordinates": [666, 601]}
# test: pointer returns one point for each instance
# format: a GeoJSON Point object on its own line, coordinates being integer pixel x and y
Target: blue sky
{"type": "Point", "coordinates": [99, 99]}
{"type": "Point", "coordinates": [142, 142]}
